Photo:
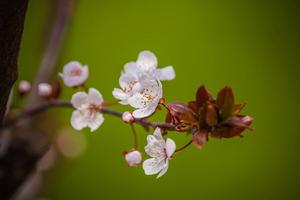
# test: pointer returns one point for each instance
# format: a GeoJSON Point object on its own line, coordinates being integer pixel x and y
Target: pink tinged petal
{"type": "Point", "coordinates": [70, 66]}
{"type": "Point", "coordinates": [170, 147]}
{"type": "Point", "coordinates": [166, 73]}
{"type": "Point", "coordinates": [95, 122]}
{"type": "Point", "coordinates": [95, 97]}
{"type": "Point", "coordinates": [153, 165]}
{"type": "Point", "coordinates": [79, 99]}
{"type": "Point", "coordinates": [78, 121]}
{"type": "Point", "coordinates": [147, 60]}
{"type": "Point", "coordinates": [164, 169]}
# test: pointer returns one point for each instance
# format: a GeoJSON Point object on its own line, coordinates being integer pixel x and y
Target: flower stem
{"type": "Point", "coordinates": [135, 142]}
{"type": "Point", "coordinates": [183, 147]}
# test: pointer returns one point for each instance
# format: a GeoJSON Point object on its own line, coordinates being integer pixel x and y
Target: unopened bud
{"type": "Point", "coordinates": [133, 158]}
{"type": "Point", "coordinates": [44, 90]}
{"type": "Point", "coordinates": [127, 117]}
{"type": "Point", "coordinates": [24, 87]}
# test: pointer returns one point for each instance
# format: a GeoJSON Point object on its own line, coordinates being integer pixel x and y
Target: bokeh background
{"type": "Point", "coordinates": [254, 46]}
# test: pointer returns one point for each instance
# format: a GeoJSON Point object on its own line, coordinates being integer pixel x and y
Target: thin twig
{"type": "Point", "coordinates": [56, 104]}
{"type": "Point", "coordinates": [183, 147]}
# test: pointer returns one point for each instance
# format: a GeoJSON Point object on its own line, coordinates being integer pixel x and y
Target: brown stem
{"type": "Point", "coordinates": [183, 147]}
{"type": "Point", "coordinates": [55, 103]}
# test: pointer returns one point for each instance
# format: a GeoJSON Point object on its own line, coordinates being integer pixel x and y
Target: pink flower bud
{"type": "Point", "coordinates": [24, 87]}
{"type": "Point", "coordinates": [133, 158]}
{"type": "Point", "coordinates": [44, 90]}
{"type": "Point", "coordinates": [127, 117]}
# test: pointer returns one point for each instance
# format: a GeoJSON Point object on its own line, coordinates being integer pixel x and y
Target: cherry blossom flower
{"type": "Point", "coordinates": [139, 73]}
{"type": "Point", "coordinates": [133, 158]}
{"type": "Point", "coordinates": [87, 110]}
{"type": "Point", "coordinates": [160, 151]}
{"type": "Point", "coordinates": [74, 74]}
{"type": "Point", "coordinates": [146, 100]}
{"type": "Point", "coordinates": [44, 90]}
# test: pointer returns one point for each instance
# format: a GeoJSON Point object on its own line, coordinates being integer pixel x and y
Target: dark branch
{"type": "Point", "coordinates": [12, 16]}
{"type": "Point", "coordinates": [55, 104]}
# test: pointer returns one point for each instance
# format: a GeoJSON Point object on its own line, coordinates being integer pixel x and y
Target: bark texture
{"type": "Point", "coordinates": [12, 15]}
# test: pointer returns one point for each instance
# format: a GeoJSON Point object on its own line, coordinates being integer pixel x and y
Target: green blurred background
{"type": "Point", "coordinates": [251, 45]}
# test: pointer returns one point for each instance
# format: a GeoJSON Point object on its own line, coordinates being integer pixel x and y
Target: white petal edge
{"type": "Point", "coordinates": [96, 122]}
{"type": "Point", "coordinates": [143, 112]}
{"type": "Point", "coordinates": [170, 147]}
{"type": "Point", "coordinates": [164, 169]}
{"type": "Point", "coordinates": [78, 99]}
{"type": "Point", "coordinates": [78, 121]}
{"type": "Point", "coordinates": [95, 97]}
{"type": "Point", "coordinates": [119, 94]}
{"type": "Point", "coordinates": [166, 73]}
{"type": "Point", "coordinates": [147, 59]}
{"type": "Point", "coordinates": [153, 166]}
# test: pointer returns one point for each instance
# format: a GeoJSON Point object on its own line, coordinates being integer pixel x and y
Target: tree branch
{"type": "Point", "coordinates": [57, 104]}
{"type": "Point", "coordinates": [12, 16]}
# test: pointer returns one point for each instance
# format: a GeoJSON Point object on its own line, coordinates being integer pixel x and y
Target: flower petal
{"type": "Point", "coordinates": [147, 60]}
{"type": "Point", "coordinates": [131, 67]}
{"type": "Point", "coordinates": [78, 121]}
{"type": "Point", "coordinates": [166, 73]}
{"type": "Point", "coordinates": [96, 122]}
{"type": "Point", "coordinates": [79, 99]}
{"type": "Point", "coordinates": [143, 112]}
{"type": "Point", "coordinates": [170, 147]}
{"type": "Point", "coordinates": [119, 94]}
{"type": "Point", "coordinates": [95, 97]}
{"type": "Point", "coordinates": [164, 169]}
{"type": "Point", "coordinates": [70, 66]}
{"type": "Point", "coordinates": [153, 166]}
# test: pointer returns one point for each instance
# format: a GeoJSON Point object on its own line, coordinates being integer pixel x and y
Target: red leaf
{"type": "Point", "coordinates": [202, 96]}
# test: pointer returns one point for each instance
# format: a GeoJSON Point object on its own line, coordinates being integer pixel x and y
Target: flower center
{"type": "Point", "coordinates": [130, 86]}
{"type": "Point", "coordinates": [76, 72]}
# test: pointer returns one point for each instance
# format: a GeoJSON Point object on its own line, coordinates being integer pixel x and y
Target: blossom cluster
{"type": "Point", "coordinates": [140, 86]}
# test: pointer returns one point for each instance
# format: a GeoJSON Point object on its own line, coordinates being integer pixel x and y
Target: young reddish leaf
{"type": "Point", "coordinates": [183, 117]}
{"type": "Point", "coordinates": [202, 96]}
{"type": "Point", "coordinates": [233, 127]}
{"type": "Point", "coordinates": [225, 101]}
{"type": "Point", "coordinates": [194, 106]}
{"type": "Point", "coordinates": [211, 117]}
{"type": "Point", "coordinates": [200, 138]}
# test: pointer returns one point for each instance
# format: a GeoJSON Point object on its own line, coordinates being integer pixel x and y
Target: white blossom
{"type": "Point", "coordinates": [146, 100]}
{"type": "Point", "coordinates": [87, 110]}
{"type": "Point", "coordinates": [44, 90]}
{"type": "Point", "coordinates": [140, 84]}
{"type": "Point", "coordinates": [74, 74]}
{"type": "Point", "coordinates": [133, 158]}
{"type": "Point", "coordinates": [161, 152]}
